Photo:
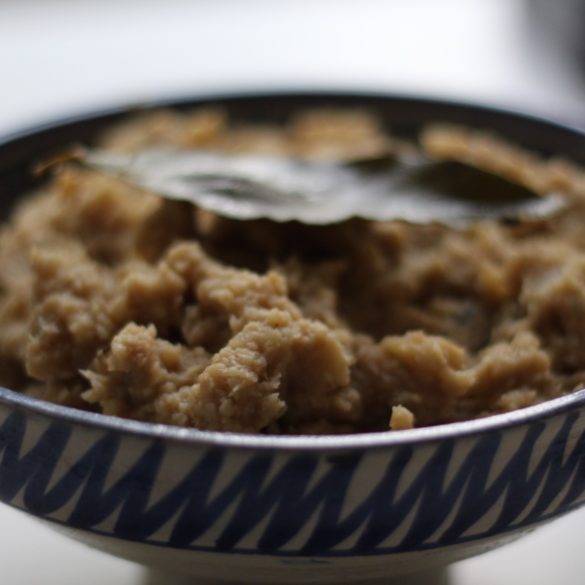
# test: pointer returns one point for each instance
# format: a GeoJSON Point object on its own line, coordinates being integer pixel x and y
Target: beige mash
{"type": "Point", "coordinates": [121, 302]}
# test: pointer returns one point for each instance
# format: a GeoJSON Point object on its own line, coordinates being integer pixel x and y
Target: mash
{"type": "Point", "coordinates": [128, 304]}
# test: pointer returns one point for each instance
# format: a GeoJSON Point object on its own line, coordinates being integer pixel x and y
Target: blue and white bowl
{"type": "Point", "coordinates": [270, 509]}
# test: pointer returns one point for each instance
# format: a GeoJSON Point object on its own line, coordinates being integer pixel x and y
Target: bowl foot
{"type": "Point", "coordinates": [436, 577]}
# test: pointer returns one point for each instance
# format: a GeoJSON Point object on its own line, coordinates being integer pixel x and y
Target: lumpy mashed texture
{"type": "Point", "coordinates": [124, 303]}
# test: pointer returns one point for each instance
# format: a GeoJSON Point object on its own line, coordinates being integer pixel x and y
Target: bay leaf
{"type": "Point", "coordinates": [410, 188]}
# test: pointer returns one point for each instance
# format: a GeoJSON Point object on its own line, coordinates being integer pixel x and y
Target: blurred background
{"type": "Point", "coordinates": [60, 57]}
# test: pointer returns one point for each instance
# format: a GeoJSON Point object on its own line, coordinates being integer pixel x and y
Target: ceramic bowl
{"type": "Point", "coordinates": [289, 509]}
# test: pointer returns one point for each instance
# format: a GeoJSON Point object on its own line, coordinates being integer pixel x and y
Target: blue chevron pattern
{"type": "Point", "coordinates": [352, 503]}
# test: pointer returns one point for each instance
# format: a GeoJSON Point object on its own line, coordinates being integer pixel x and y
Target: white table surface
{"type": "Point", "coordinates": [61, 56]}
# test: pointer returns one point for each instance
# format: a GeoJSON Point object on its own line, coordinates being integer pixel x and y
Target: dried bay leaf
{"type": "Point", "coordinates": [408, 188]}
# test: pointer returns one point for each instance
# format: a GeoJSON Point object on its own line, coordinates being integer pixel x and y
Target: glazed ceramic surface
{"type": "Point", "coordinates": [284, 509]}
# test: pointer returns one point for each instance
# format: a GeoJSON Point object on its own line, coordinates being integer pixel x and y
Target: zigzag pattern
{"type": "Point", "coordinates": [301, 504]}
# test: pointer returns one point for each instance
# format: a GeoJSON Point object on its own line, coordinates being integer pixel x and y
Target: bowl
{"type": "Point", "coordinates": [277, 509]}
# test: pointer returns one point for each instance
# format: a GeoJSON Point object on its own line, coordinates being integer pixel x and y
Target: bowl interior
{"type": "Point", "coordinates": [404, 115]}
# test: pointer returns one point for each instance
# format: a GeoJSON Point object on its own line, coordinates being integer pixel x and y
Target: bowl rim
{"type": "Point", "coordinates": [195, 437]}
{"type": "Point", "coordinates": [348, 442]}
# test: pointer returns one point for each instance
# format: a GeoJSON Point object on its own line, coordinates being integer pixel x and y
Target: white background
{"type": "Point", "coordinates": [63, 56]}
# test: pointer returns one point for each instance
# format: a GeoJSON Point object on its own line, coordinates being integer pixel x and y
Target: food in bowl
{"type": "Point", "coordinates": [133, 305]}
